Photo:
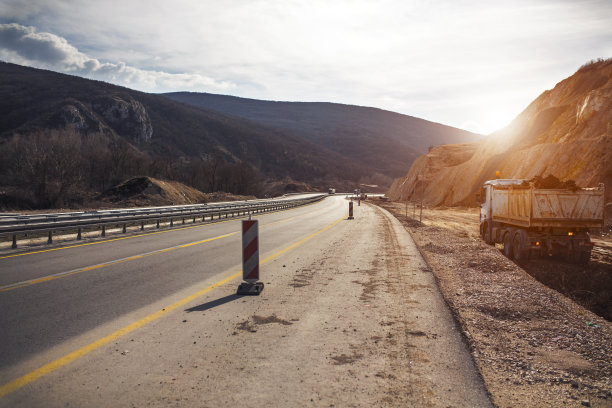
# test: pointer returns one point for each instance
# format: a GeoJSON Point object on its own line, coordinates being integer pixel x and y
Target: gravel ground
{"type": "Point", "coordinates": [533, 346]}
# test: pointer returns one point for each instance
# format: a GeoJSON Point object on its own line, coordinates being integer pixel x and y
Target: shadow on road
{"type": "Point", "coordinates": [213, 303]}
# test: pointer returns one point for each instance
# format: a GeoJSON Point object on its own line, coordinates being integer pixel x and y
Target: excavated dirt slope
{"type": "Point", "coordinates": [566, 132]}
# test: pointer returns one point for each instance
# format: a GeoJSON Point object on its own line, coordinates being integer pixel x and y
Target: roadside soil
{"type": "Point", "coordinates": [529, 329]}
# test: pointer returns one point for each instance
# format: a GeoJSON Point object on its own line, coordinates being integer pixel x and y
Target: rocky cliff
{"type": "Point", "coordinates": [126, 115]}
{"type": "Point", "coordinates": [123, 116]}
{"type": "Point", "coordinates": [565, 132]}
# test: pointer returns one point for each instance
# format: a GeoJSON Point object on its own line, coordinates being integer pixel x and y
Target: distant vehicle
{"type": "Point", "coordinates": [332, 191]}
{"type": "Point", "coordinates": [533, 221]}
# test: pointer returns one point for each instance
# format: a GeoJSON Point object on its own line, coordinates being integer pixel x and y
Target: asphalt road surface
{"type": "Point", "coordinates": [153, 319]}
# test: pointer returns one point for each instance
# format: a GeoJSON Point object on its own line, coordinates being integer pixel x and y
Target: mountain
{"type": "Point", "coordinates": [378, 140]}
{"type": "Point", "coordinates": [566, 132]}
{"type": "Point", "coordinates": [32, 100]}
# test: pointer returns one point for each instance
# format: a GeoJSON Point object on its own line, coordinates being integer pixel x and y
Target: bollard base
{"type": "Point", "coordinates": [250, 289]}
{"type": "Point", "coordinates": [350, 218]}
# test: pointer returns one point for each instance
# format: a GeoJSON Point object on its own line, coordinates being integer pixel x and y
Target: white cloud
{"type": "Point", "coordinates": [24, 45]}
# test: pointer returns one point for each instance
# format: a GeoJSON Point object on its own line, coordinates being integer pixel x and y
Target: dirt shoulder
{"type": "Point", "coordinates": [532, 345]}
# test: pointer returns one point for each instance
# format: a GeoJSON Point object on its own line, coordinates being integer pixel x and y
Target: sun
{"type": "Point", "coordinates": [488, 121]}
{"type": "Point", "coordinates": [496, 119]}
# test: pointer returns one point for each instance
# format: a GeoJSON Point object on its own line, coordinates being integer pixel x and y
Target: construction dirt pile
{"type": "Point", "coordinates": [139, 191]}
{"type": "Point", "coordinates": [533, 345]}
{"type": "Point", "coordinates": [566, 132]}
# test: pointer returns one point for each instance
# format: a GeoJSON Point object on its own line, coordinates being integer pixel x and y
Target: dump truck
{"type": "Point", "coordinates": [532, 222]}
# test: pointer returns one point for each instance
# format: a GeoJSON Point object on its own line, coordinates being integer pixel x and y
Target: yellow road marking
{"type": "Point", "coordinates": [282, 251]}
{"type": "Point", "coordinates": [144, 235]}
{"type": "Point", "coordinates": [68, 358]}
{"type": "Point", "coordinates": [22, 284]}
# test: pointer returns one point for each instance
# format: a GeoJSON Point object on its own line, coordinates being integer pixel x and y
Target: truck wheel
{"type": "Point", "coordinates": [485, 232]}
{"type": "Point", "coordinates": [585, 257]}
{"type": "Point", "coordinates": [520, 250]}
{"type": "Point", "coordinates": [508, 247]}
{"type": "Point", "coordinates": [580, 255]}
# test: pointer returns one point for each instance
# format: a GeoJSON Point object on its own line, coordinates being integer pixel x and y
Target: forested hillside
{"type": "Point", "coordinates": [380, 141]}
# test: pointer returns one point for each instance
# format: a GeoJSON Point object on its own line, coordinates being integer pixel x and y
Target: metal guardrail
{"type": "Point", "coordinates": [15, 224]}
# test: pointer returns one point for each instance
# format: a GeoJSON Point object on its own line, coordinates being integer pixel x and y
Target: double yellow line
{"type": "Point", "coordinates": [62, 361]}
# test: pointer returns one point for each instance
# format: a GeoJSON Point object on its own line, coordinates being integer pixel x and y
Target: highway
{"type": "Point", "coordinates": [69, 312]}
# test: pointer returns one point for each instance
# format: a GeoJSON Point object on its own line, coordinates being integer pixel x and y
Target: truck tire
{"type": "Point", "coordinates": [508, 245]}
{"type": "Point", "coordinates": [580, 255]}
{"type": "Point", "coordinates": [519, 246]}
{"type": "Point", "coordinates": [485, 233]}
{"type": "Point", "coordinates": [581, 258]}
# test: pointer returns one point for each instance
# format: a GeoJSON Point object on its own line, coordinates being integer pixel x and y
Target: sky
{"type": "Point", "coordinates": [470, 64]}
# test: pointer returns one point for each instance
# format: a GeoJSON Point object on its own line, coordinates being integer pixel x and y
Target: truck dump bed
{"type": "Point", "coordinates": [527, 206]}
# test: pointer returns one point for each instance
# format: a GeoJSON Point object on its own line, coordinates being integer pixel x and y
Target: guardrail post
{"type": "Point", "coordinates": [104, 230]}
{"type": "Point", "coordinates": [142, 225]}
{"type": "Point", "coordinates": [183, 220]}
{"type": "Point", "coordinates": [50, 240]}
{"type": "Point", "coordinates": [14, 241]}
{"type": "Point", "coordinates": [157, 226]}
{"type": "Point", "coordinates": [124, 228]}
{"type": "Point", "coordinates": [79, 234]}
{"type": "Point", "coordinates": [171, 223]}
{"type": "Point", "coordinates": [194, 219]}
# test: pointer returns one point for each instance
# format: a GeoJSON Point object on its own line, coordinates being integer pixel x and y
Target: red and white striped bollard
{"type": "Point", "coordinates": [250, 259]}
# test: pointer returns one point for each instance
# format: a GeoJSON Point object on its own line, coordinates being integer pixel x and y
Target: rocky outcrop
{"type": "Point", "coordinates": [127, 116]}
{"type": "Point", "coordinates": [566, 132]}
{"type": "Point", "coordinates": [123, 116]}
{"type": "Point", "coordinates": [75, 114]}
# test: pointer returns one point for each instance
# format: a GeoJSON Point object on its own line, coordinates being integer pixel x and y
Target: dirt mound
{"type": "Point", "coordinates": [566, 132]}
{"type": "Point", "coordinates": [278, 188]}
{"type": "Point", "coordinates": [150, 191]}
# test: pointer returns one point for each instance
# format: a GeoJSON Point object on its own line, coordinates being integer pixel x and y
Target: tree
{"type": "Point", "coordinates": [212, 168]}
{"type": "Point", "coordinates": [48, 164]}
